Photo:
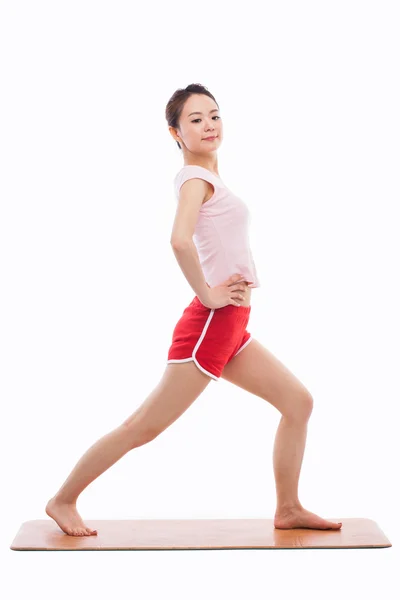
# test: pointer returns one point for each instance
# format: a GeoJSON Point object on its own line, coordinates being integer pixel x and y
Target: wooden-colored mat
{"type": "Point", "coordinates": [204, 534]}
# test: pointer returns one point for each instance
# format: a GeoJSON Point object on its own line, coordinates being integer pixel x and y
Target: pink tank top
{"type": "Point", "coordinates": [221, 235]}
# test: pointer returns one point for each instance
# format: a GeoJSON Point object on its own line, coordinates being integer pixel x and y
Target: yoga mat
{"type": "Point", "coordinates": [197, 534]}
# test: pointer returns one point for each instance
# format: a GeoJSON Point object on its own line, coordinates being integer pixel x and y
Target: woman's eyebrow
{"type": "Point", "coordinates": [200, 113]}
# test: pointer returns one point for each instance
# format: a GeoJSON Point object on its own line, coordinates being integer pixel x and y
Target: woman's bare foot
{"type": "Point", "coordinates": [67, 518]}
{"type": "Point", "coordinates": [293, 518]}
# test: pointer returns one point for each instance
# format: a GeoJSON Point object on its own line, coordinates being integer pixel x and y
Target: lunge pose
{"type": "Point", "coordinates": [210, 241]}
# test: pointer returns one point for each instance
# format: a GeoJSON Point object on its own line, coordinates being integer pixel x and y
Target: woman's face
{"type": "Point", "coordinates": [194, 128]}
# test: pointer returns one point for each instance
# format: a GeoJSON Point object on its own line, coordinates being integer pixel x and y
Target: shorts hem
{"type": "Point", "coordinates": [196, 362]}
{"type": "Point", "coordinates": [244, 346]}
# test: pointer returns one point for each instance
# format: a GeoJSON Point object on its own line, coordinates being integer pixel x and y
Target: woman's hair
{"type": "Point", "coordinates": [177, 101]}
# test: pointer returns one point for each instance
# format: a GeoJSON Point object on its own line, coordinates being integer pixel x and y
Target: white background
{"type": "Point", "coordinates": [91, 290]}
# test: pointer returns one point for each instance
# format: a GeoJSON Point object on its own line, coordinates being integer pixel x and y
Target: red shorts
{"type": "Point", "coordinates": [210, 337]}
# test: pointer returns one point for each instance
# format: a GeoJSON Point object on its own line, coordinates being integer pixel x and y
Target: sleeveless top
{"type": "Point", "coordinates": [221, 234]}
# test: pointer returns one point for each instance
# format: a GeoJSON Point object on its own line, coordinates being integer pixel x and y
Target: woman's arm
{"type": "Point", "coordinates": [188, 259]}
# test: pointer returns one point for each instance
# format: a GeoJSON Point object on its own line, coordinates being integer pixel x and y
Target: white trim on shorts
{"type": "Point", "coordinates": [193, 357]}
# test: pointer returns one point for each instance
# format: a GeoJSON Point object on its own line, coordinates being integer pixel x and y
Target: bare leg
{"type": "Point", "coordinates": [181, 384]}
{"type": "Point", "coordinates": [288, 455]}
{"type": "Point", "coordinates": [97, 459]}
{"type": "Point", "coordinates": [259, 372]}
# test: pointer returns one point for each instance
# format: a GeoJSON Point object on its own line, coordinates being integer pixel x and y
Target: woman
{"type": "Point", "coordinates": [210, 340]}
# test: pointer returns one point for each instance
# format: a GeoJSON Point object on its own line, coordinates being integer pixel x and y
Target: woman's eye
{"type": "Point", "coordinates": [215, 117]}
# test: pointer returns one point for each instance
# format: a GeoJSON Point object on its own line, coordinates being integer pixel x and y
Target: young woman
{"type": "Point", "coordinates": [210, 339]}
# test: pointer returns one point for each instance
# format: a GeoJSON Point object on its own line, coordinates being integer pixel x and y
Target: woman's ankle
{"type": "Point", "coordinates": [63, 499]}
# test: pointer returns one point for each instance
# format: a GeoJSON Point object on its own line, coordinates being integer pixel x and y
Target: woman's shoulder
{"type": "Point", "coordinates": [188, 171]}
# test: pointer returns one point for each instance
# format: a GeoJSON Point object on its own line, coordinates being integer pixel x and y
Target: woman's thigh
{"type": "Point", "coordinates": [258, 371]}
{"type": "Point", "coordinates": [179, 387]}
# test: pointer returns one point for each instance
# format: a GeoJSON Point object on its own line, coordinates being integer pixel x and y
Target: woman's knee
{"type": "Point", "coordinates": [136, 434]}
{"type": "Point", "coordinates": [300, 408]}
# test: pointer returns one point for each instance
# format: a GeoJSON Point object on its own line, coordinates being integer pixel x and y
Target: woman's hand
{"type": "Point", "coordinates": [224, 294]}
